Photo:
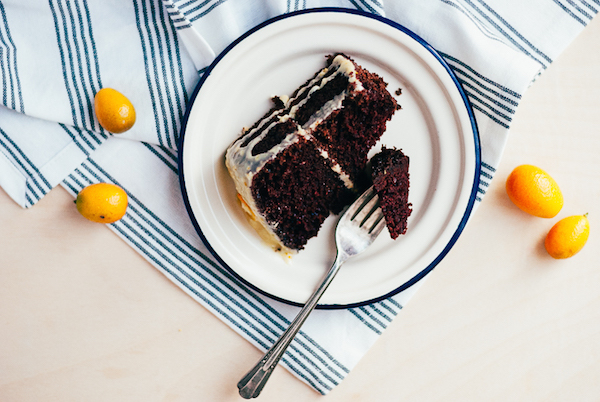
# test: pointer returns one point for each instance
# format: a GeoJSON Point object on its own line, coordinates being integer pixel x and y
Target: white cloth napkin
{"type": "Point", "coordinates": [55, 55]}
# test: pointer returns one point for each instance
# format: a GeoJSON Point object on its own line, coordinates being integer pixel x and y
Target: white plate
{"type": "Point", "coordinates": [435, 128]}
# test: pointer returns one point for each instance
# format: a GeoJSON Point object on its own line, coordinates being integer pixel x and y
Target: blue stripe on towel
{"type": "Point", "coordinates": [377, 310]}
{"type": "Point", "coordinates": [580, 10]}
{"type": "Point", "coordinates": [175, 75]}
{"type": "Point", "coordinates": [80, 68]}
{"type": "Point", "coordinates": [83, 68]}
{"type": "Point", "coordinates": [177, 17]}
{"type": "Point", "coordinates": [570, 12]}
{"type": "Point", "coordinates": [358, 7]}
{"type": "Point", "coordinates": [507, 91]}
{"type": "Point", "coordinates": [164, 155]}
{"type": "Point", "coordinates": [145, 28]}
{"type": "Point", "coordinates": [499, 27]}
{"type": "Point", "coordinates": [11, 83]}
{"type": "Point", "coordinates": [375, 319]}
{"type": "Point", "coordinates": [167, 42]}
{"type": "Point", "coordinates": [477, 86]}
{"type": "Point", "coordinates": [368, 7]}
{"type": "Point", "coordinates": [593, 9]}
{"type": "Point", "coordinates": [69, 65]}
{"type": "Point", "coordinates": [485, 177]}
{"type": "Point", "coordinates": [36, 185]}
{"type": "Point", "coordinates": [296, 5]}
{"type": "Point", "coordinates": [164, 71]}
{"type": "Point", "coordinates": [356, 313]}
{"type": "Point", "coordinates": [192, 10]}
{"type": "Point", "coordinates": [485, 95]}
{"type": "Point", "coordinates": [86, 140]}
{"type": "Point", "coordinates": [392, 301]}
{"type": "Point", "coordinates": [517, 37]}
{"type": "Point", "coordinates": [202, 9]}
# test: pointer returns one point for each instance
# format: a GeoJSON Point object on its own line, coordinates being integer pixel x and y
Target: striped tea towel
{"type": "Point", "coordinates": [55, 55]}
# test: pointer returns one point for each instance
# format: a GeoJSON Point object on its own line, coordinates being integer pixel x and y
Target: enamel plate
{"type": "Point", "coordinates": [435, 128]}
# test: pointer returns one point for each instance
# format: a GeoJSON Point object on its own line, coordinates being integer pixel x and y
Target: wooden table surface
{"type": "Point", "coordinates": [497, 320]}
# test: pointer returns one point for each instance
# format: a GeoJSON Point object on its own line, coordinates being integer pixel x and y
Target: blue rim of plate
{"type": "Point", "coordinates": [474, 128]}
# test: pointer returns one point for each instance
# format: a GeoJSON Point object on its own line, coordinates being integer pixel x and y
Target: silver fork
{"type": "Point", "coordinates": [357, 228]}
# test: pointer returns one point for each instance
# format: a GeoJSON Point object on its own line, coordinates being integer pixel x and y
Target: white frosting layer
{"type": "Point", "coordinates": [242, 165]}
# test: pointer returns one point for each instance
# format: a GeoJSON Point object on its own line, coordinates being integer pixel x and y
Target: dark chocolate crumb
{"type": "Point", "coordinates": [398, 91]}
{"type": "Point", "coordinates": [277, 102]}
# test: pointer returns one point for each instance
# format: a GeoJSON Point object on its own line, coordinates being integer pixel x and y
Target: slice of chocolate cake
{"type": "Point", "coordinates": [391, 182]}
{"type": "Point", "coordinates": [305, 157]}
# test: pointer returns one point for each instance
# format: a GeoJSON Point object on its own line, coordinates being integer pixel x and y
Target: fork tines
{"type": "Point", "coordinates": [368, 212]}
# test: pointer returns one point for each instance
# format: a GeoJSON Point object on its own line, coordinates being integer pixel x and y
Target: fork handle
{"type": "Point", "coordinates": [253, 382]}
